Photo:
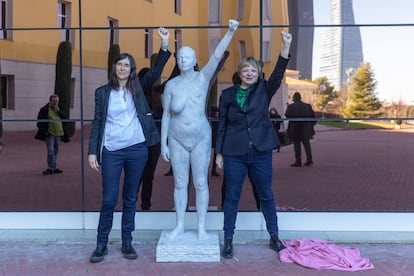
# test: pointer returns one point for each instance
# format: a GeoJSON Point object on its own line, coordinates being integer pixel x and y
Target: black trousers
{"type": "Point", "coordinates": [148, 176]}
{"type": "Point", "coordinates": [298, 152]}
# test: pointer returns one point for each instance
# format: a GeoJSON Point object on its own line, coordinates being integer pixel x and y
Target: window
{"type": "Point", "coordinates": [214, 11]}
{"type": "Point", "coordinates": [149, 38]}
{"type": "Point", "coordinates": [177, 6]}
{"type": "Point", "coordinates": [243, 51]}
{"type": "Point", "coordinates": [5, 19]}
{"type": "Point", "coordinates": [177, 40]}
{"type": "Point", "coordinates": [7, 91]}
{"type": "Point", "coordinates": [64, 22]}
{"type": "Point", "coordinates": [267, 9]}
{"type": "Point", "coordinates": [113, 36]}
{"type": "Point", "coordinates": [240, 10]}
{"type": "Point", "coordinates": [266, 51]}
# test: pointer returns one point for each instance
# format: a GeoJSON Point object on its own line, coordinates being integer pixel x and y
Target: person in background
{"type": "Point", "coordinates": [245, 142]}
{"type": "Point", "coordinates": [154, 99]}
{"type": "Point", "coordinates": [51, 132]}
{"type": "Point", "coordinates": [276, 124]}
{"type": "Point", "coordinates": [154, 151]}
{"type": "Point", "coordinates": [300, 131]}
{"type": "Point", "coordinates": [122, 130]}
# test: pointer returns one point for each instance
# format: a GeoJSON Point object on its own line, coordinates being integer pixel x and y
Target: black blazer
{"type": "Point", "coordinates": [144, 113]}
{"type": "Point", "coordinates": [238, 130]}
{"type": "Point", "coordinates": [300, 129]}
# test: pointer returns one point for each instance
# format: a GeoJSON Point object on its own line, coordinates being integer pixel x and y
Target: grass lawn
{"type": "Point", "coordinates": [362, 124]}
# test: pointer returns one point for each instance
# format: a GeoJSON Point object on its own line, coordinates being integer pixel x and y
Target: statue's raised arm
{"type": "Point", "coordinates": [209, 69]}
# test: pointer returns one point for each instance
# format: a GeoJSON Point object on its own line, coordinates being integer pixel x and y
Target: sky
{"type": "Point", "coordinates": [389, 50]}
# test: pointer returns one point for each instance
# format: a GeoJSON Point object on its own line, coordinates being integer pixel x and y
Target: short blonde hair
{"type": "Point", "coordinates": [249, 61]}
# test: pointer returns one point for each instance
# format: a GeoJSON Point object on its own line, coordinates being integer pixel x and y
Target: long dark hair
{"type": "Point", "coordinates": [130, 85]}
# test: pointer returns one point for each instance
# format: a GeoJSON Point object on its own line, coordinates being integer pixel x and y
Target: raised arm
{"type": "Point", "coordinates": [287, 40]}
{"type": "Point", "coordinates": [209, 69]}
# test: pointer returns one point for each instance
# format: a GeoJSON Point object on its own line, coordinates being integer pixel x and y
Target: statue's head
{"type": "Point", "coordinates": [186, 58]}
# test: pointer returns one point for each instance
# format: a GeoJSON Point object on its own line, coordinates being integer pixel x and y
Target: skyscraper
{"type": "Point", "coordinates": [301, 14]}
{"type": "Point", "coordinates": [342, 46]}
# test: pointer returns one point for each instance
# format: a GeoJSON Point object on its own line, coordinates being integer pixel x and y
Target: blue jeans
{"type": "Point", "coordinates": [259, 165]}
{"type": "Point", "coordinates": [132, 160]}
{"type": "Point", "coordinates": [52, 145]}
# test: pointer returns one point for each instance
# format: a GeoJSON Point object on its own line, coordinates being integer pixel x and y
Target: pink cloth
{"type": "Point", "coordinates": [321, 255]}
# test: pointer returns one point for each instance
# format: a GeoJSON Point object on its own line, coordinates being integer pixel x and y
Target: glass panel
{"type": "Point", "coordinates": [355, 170]}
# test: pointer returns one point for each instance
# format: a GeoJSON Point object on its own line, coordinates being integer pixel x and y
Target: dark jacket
{"type": "Point", "coordinates": [144, 113]}
{"type": "Point", "coordinates": [238, 130]}
{"type": "Point", "coordinates": [43, 127]}
{"type": "Point", "coordinates": [300, 129]}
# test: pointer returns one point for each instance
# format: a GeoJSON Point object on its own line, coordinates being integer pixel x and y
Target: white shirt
{"type": "Point", "coordinates": [122, 127]}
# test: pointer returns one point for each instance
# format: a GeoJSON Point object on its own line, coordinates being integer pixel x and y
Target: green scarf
{"type": "Point", "coordinates": [241, 97]}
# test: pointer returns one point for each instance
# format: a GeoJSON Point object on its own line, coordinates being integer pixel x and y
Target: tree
{"type": "Point", "coordinates": [362, 98]}
{"type": "Point", "coordinates": [113, 53]}
{"type": "Point", "coordinates": [324, 93]}
{"type": "Point", "coordinates": [63, 83]}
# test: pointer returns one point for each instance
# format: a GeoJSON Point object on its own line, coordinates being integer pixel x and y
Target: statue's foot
{"type": "Point", "coordinates": [176, 232]}
{"type": "Point", "coordinates": [202, 234]}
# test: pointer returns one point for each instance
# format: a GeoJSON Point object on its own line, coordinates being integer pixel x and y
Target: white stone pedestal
{"type": "Point", "coordinates": [188, 248]}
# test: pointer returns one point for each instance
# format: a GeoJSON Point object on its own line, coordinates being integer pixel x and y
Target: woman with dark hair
{"type": "Point", "coordinates": [122, 130]}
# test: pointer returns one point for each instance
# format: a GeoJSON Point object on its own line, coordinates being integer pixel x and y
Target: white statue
{"type": "Point", "coordinates": [186, 132]}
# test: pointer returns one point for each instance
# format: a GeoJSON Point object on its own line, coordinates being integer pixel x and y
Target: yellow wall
{"type": "Point", "coordinates": [41, 45]}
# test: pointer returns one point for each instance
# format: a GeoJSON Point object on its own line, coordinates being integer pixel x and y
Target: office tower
{"type": "Point", "coordinates": [301, 27]}
{"type": "Point", "coordinates": [342, 46]}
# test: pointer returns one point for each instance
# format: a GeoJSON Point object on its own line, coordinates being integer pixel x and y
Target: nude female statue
{"type": "Point", "coordinates": [186, 132]}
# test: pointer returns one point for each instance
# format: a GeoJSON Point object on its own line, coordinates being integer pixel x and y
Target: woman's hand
{"type": "Point", "coordinates": [93, 162]}
{"type": "Point", "coordinates": [287, 40]}
{"type": "Point", "coordinates": [164, 35]}
{"type": "Point", "coordinates": [219, 160]}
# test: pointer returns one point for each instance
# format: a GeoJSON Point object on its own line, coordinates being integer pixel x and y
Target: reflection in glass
{"type": "Point", "coordinates": [354, 169]}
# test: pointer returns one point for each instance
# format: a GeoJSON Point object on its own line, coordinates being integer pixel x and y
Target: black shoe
{"type": "Point", "coordinates": [99, 254]}
{"type": "Point", "coordinates": [48, 172]}
{"type": "Point", "coordinates": [308, 163]}
{"type": "Point", "coordinates": [275, 243]}
{"type": "Point", "coordinates": [214, 173]}
{"type": "Point", "coordinates": [227, 250]}
{"type": "Point", "coordinates": [296, 164]}
{"type": "Point", "coordinates": [128, 251]}
{"type": "Point", "coordinates": [57, 171]}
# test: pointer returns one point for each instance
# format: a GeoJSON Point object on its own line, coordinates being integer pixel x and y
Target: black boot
{"type": "Point", "coordinates": [275, 243]}
{"type": "Point", "coordinates": [99, 254]}
{"type": "Point", "coordinates": [227, 250]}
{"type": "Point", "coordinates": [128, 251]}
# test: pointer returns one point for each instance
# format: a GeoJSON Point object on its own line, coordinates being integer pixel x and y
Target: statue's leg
{"type": "Point", "coordinates": [180, 163]}
{"type": "Point", "coordinates": [200, 160]}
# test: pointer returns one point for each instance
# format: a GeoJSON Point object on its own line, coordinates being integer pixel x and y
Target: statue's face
{"type": "Point", "coordinates": [186, 59]}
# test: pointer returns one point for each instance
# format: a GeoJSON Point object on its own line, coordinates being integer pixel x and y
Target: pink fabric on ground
{"type": "Point", "coordinates": [322, 255]}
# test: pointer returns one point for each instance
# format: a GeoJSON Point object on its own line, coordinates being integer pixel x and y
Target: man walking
{"type": "Point", "coordinates": [300, 131]}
